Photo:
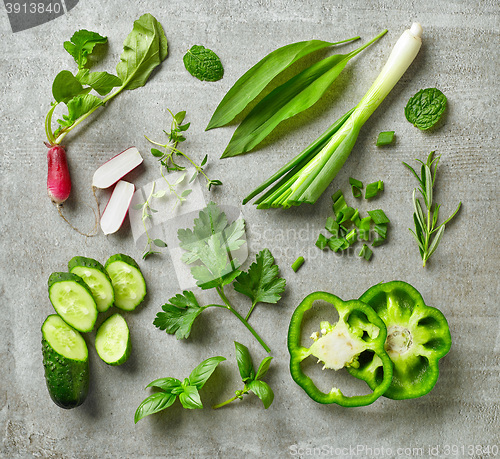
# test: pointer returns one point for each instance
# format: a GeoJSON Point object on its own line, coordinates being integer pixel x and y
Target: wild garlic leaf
{"type": "Point", "coordinates": [425, 108]}
{"type": "Point", "coordinates": [179, 314]}
{"type": "Point", "coordinates": [203, 63]}
{"type": "Point", "coordinates": [101, 82]}
{"type": "Point", "coordinates": [261, 283]}
{"type": "Point", "coordinates": [82, 44]}
{"type": "Point", "coordinates": [153, 404]}
{"type": "Point", "coordinates": [203, 371]}
{"type": "Point", "coordinates": [143, 50]}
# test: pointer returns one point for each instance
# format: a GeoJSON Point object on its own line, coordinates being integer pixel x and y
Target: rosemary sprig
{"type": "Point", "coordinates": [427, 233]}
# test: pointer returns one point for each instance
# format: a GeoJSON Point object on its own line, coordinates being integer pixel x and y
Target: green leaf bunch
{"type": "Point", "coordinates": [252, 379]}
{"type": "Point", "coordinates": [427, 233]}
{"type": "Point", "coordinates": [143, 50]}
{"type": "Point", "coordinates": [171, 388]}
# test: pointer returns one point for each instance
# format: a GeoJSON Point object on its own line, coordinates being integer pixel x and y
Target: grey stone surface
{"type": "Point", "coordinates": [459, 55]}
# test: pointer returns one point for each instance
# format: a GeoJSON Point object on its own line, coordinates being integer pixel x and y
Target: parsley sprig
{"type": "Point", "coordinates": [428, 233]}
{"type": "Point", "coordinates": [251, 379]}
{"type": "Point", "coordinates": [167, 158]}
{"type": "Point", "coordinates": [210, 248]}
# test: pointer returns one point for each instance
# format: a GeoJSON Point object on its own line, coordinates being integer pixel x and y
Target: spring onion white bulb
{"type": "Point", "coordinates": [308, 175]}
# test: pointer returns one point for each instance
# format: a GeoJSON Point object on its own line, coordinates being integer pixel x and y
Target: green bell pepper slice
{"type": "Point", "coordinates": [355, 341]}
{"type": "Point", "coordinates": [417, 337]}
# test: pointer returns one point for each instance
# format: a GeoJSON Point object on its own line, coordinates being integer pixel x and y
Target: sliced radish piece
{"type": "Point", "coordinates": [114, 169]}
{"type": "Point", "coordinates": [117, 207]}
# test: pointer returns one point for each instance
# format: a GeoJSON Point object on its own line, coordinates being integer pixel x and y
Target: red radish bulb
{"type": "Point", "coordinates": [58, 180]}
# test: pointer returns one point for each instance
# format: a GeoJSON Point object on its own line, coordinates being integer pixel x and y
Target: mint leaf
{"type": "Point", "coordinates": [244, 360]}
{"type": "Point", "coordinates": [203, 371]}
{"type": "Point", "coordinates": [179, 314]}
{"type": "Point", "coordinates": [263, 391]}
{"type": "Point", "coordinates": [190, 398]}
{"type": "Point", "coordinates": [153, 404]}
{"type": "Point", "coordinates": [261, 284]}
{"type": "Point", "coordinates": [425, 108]}
{"type": "Point", "coordinates": [101, 82]}
{"type": "Point", "coordinates": [203, 64]}
{"type": "Point", "coordinates": [82, 44]}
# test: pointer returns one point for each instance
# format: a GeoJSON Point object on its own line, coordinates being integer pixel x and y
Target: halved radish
{"type": "Point", "coordinates": [117, 207]}
{"type": "Point", "coordinates": [114, 169]}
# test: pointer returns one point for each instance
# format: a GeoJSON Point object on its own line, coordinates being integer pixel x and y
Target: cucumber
{"type": "Point", "coordinates": [65, 359]}
{"type": "Point", "coordinates": [73, 300]}
{"type": "Point", "coordinates": [112, 340]}
{"type": "Point", "coordinates": [128, 282]}
{"type": "Point", "coordinates": [96, 277]}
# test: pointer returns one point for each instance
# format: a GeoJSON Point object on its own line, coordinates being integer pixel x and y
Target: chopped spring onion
{"type": "Point", "coordinates": [332, 226]}
{"type": "Point", "coordinates": [378, 216]}
{"type": "Point", "coordinates": [337, 243]}
{"type": "Point", "coordinates": [385, 138]}
{"type": "Point", "coordinates": [365, 252]}
{"type": "Point", "coordinates": [306, 177]}
{"type": "Point", "coordinates": [297, 264]}
{"type": "Point", "coordinates": [364, 228]}
{"type": "Point", "coordinates": [372, 189]}
{"type": "Point", "coordinates": [322, 242]}
{"type": "Point", "coordinates": [356, 187]}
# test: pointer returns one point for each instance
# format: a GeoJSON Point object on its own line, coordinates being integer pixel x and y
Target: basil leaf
{"type": "Point", "coordinates": [166, 384]}
{"type": "Point", "coordinates": [82, 44]}
{"type": "Point", "coordinates": [244, 360]}
{"type": "Point", "coordinates": [203, 64]}
{"type": "Point", "coordinates": [203, 371]}
{"type": "Point", "coordinates": [190, 398]}
{"type": "Point", "coordinates": [143, 50]}
{"type": "Point", "coordinates": [153, 404]}
{"type": "Point", "coordinates": [263, 368]}
{"type": "Point", "coordinates": [101, 82]}
{"type": "Point", "coordinates": [263, 391]}
{"type": "Point", "coordinates": [251, 84]}
{"type": "Point", "coordinates": [425, 108]}
{"type": "Point", "coordinates": [65, 86]}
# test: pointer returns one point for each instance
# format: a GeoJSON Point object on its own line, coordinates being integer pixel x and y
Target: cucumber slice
{"type": "Point", "coordinates": [128, 282]}
{"type": "Point", "coordinates": [96, 277]}
{"type": "Point", "coordinates": [112, 340]}
{"type": "Point", "coordinates": [65, 359]}
{"type": "Point", "coordinates": [73, 300]}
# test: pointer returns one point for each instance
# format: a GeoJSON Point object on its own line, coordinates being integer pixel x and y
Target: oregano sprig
{"type": "Point", "coordinates": [428, 233]}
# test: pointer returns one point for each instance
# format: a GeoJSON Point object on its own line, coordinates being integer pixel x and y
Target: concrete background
{"type": "Point", "coordinates": [459, 56]}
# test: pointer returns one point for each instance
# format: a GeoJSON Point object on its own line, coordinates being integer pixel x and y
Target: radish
{"type": "Point", "coordinates": [58, 180]}
{"type": "Point", "coordinates": [116, 210]}
{"type": "Point", "coordinates": [118, 166]}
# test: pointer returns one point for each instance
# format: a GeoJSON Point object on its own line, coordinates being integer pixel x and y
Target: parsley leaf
{"type": "Point", "coordinates": [82, 44]}
{"type": "Point", "coordinates": [203, 64]}
{"type": "Point", "coordinates": [425, 108]}
{"type": "Point", "coordinates": [179, 314]}
{"type": "Point", "coordinates": [211, 243]}
{"type": "Point", "coordinates": [261, 284]}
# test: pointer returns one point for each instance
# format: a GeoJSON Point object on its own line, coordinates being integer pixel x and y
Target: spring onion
{"type": "Point", "coordinates": [385, 138]}
{"type": "Point", "coordinates": [378, 216]}
{"type": "Point", "coordinates": [297, 264]}
{"type": "Point", "coordinates": [372, 189]}
{"type": "Point", "coordinates": [306, 177]}
{"type": "Point", "coordinates": [365, 252]}
{"type": "Point", "coordinates": [356, 187]}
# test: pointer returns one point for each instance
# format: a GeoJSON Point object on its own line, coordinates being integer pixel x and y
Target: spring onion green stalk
{"type": "Point", "coordinates": [307, 176]}
{"type": "Point", "coordinates": [297, 264]}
